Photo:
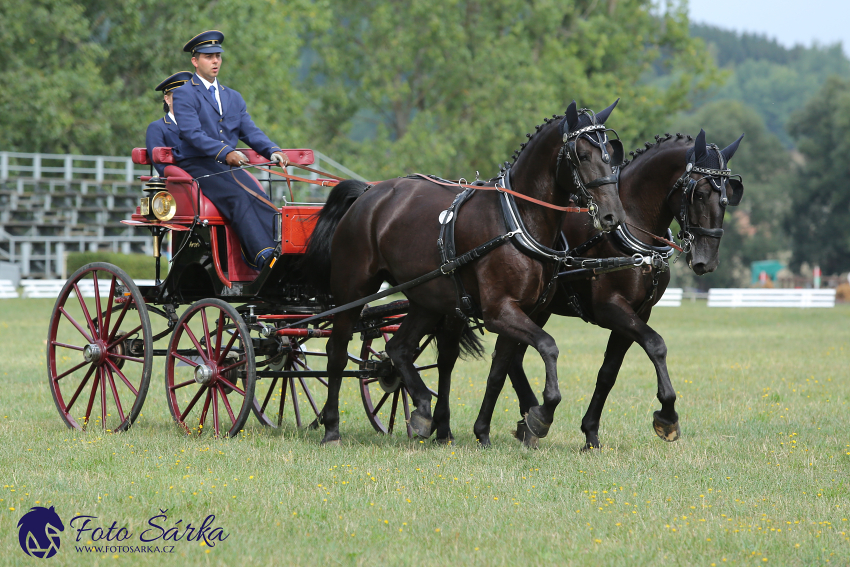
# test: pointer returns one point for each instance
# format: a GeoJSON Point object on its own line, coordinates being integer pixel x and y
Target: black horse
{"type": "Point", "coordinates": [678, 177]}
{"type": "Point", "coordinates": [391, 233]}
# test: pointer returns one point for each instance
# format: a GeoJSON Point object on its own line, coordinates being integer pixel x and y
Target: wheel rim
{"type": "Point", "coordinates": [387, 411]}
{"type": "Point", "coordinates": [209, 370]}
{"type": "Point", "coordinates": [275, 394]}
{"type": "Point", "coordinates": [99, 353]}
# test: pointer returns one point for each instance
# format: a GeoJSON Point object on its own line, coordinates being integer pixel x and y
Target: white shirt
{"type": "Point", "coordinates": [207, 86]}
{"type": "Point", "coordinates": [170, 115]}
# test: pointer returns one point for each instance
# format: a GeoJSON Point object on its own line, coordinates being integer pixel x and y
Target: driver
{"type": "Point", "coordinates": [212, 119]}
{"type": "Point", "coordinates": [163, 133]}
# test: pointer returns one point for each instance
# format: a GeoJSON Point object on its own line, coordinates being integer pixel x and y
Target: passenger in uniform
{"type": "Point", "coordinates": [212, 119]}
{"type": "Point", "coordinates": [163, 133]}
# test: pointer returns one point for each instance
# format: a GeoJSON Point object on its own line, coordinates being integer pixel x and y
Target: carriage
{"type": "Point", "coordinates": [230, 336]}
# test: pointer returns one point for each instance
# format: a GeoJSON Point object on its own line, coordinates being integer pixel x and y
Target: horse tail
{"type": "Point", "coordinates": [315, 265]}
{"type": "Point", "coordinates": [470, 343]}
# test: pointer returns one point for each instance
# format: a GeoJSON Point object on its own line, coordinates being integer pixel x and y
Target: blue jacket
{"type": "Point", "coordinates": [206, 133]}
{"type": "Point", "coordinates": [162, 133]}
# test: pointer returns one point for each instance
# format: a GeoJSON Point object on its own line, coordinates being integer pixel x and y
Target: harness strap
{"type": "Point", "coordinates": [254, 194]}
{"type": "Point", "coordinates": [443, 270]}
{"type": "Point", "coordinates": [446, 243]}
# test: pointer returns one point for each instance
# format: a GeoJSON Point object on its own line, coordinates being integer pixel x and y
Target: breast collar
{"type": "Point", "coordinates": [629, 244]}
{"type": "Point", "coordinates": [523, 239]}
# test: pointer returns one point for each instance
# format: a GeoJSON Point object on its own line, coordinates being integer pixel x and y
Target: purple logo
{"type": "Point", "coordinates": [38, 532]}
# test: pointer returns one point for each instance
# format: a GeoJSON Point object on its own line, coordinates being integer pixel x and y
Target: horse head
{"type": "Point", "coordinates": [593, 161]}
{"type": "Point", "coordinates": [705, 190]}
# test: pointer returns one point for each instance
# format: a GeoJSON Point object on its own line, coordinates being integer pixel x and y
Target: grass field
{"type": "Point", "coordinates": [760, 475]}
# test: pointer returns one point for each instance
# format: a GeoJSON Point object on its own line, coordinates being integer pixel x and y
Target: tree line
{"type": "Point", "coordinates": [451, 87]}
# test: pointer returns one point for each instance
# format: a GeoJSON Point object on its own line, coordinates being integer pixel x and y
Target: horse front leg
{"type": "Point", "coordinates": [616, 350]}
{"type": "Point", "coordinates": [517, 326]}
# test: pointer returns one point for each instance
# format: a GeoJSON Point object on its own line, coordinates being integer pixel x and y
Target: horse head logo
{"type": "Point", "coordinates": [38, 532]}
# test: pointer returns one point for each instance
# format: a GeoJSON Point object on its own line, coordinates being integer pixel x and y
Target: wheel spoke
{"type": "Point", "coordinates": [194, 341]}
{"type": "Point", "coordinates": [63, 345]}
{"type": "Point", "coordinates": [269, 395]}
{"type": "Point", "coordinates": [236, 364]}
{"type": "Point", "coordinates": [223, 353]}
{"type": "Point", "coordinates": [75, 324]}
{"type": "Point", "coordinates": [227, 406]}
{"type": "Point", "coordinates": [406, 405]}
{"type": "Point", "coordinates": [124, 336]}
{"type": "Point", "coordinates": [74, 369]}
{"type": "Point", "coordinates": [396, 395]}
{"type": "Point", "coordinates": [282, 404]}
{"type": "Point", "coordinates": [370, 381]}
{"type": "Point", "coordinates": [108, 315]}
{"type": "Point", "coordinates": [188, 361]}
{"type": "Point", "coordinates": [204, 411]}
{"type": "Point", "coordinates": [232, 386]}
{"type": "Point", "coordinates": [219, 330]}
{"type": "Point", "coordinates": [428, 367]}
{"type": "Point", "coordinates": [381, 403]}
{"type": "Point", "coordinates": [100, 331]}
{"type": "Point", "coordinates": [103, 397]}
{"type": "Point", "coordinates": [192, 403]}
{"type": "Point", "coordinates": [127, 301]}
{"type": "Point", "coordinates": [91, 397]}
{"type": "Point", "coordinates": [92, 328]}
{"type": "Point", "coordinates": [123, 378]}
{"type": "Point", "coordinates": [125, 357]}
{"type": "Point", "coordinates": [207, 336]}
{"type": "Point", "coordinates": [182, 384]}
{"type": "Point", "coordinates": [215, 410]}
{"type": "Point", "coordinates": [295, 403]}
{"type": "Point", "coordinates": [115, 395]}
{"type": "Point", "coordinates": [80, 389]}
{"type": "Point", "coordinates": [309, 395]}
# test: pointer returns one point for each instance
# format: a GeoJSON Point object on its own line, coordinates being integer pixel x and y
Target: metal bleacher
{"type": "Point", "coordinates": [51, 204]}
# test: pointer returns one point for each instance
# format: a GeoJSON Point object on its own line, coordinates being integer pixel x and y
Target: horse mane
{"type": "Point", "coordinates": [503, 167]}
{"type": "Point", "coordinates": [659, 141]}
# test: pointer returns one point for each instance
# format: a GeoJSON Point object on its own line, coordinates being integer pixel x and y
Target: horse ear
{"type": "Point", "coordinates": [572, 116]}
{"type": "Point", "coordinates": [729, 150]}
{"type": "Point", "coordinates": [52, 510]}
{"type": "Point", "coordinates": [700, 151]}
{"type": "Point", "coordinates": [604, 114]}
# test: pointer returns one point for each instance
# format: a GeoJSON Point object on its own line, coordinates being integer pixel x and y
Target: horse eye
{"type": "Point", "coordinates": [584, 157]}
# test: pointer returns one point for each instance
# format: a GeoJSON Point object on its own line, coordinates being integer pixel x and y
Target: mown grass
{"type": "Point", "coordinates": [759, 476]}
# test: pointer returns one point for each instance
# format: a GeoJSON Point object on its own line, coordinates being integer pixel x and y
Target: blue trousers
{"type": "Point", "coordinates": [252, 219]}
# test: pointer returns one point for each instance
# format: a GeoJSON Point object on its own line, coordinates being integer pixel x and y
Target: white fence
{"type": "Point", "coordinates": [51, 288]}
{"type": "Point", "coordinates": [744, 297]}
{"type": "Point", "coordinates": [672, 298]}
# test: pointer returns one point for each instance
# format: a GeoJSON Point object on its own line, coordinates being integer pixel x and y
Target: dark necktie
{"type": "Point", "coordinates": [212, 94]}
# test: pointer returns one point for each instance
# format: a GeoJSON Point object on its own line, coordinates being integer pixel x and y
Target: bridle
{"type": "Point", "coordinates": [596, 134]}
{"type": "Point", "coordinates": [718, 179]}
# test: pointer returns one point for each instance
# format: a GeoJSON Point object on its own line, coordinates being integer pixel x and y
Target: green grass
{"type": "Point", "coordinates": [759, 477]}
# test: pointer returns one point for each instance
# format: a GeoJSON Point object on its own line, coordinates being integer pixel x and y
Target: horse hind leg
{"type": "Point", "coordinates": [448, 347]}
{"type": "Point", "coordinates": [402, 348]}
{"type": "Point", "coordinates": [337, 350]}
{"type": "Point", "coordinates": [615, 352]}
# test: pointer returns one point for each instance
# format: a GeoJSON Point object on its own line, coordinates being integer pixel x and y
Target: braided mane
{"type": "Point", "coordinates": [503, 167]}
{"type": "Point", "coordinates": [658, 141]}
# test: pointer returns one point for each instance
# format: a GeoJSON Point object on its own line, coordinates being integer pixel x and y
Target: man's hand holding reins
{"type": "Point", "coordinates": [236, 159]}
{"type": "Point", "coordinates": [280, 159]}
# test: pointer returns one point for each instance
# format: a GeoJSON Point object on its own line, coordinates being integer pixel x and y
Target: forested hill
{"type": "Point", "coordinates": [772, 79]}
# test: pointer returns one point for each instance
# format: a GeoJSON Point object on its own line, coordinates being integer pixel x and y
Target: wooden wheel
{"type": "Point", "coordinates": [99, 349]}
{"type": "Point", "coordinates": [272, 392]}
{"type": "Point", "coordinates": [385, 399]}
{"type": "Point", "coordinates": [209, 370]}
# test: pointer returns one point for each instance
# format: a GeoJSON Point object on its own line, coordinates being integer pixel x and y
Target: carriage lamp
{"type": "Point", "coordinates": [158, 203]}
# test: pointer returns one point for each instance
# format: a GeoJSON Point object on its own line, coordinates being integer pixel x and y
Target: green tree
{"type": "Point", "coordinates": [754, 229]}
{"type": "Point", "coordinates": [819, 217]}
{"type": "Point", "coordinates": [450, 87]}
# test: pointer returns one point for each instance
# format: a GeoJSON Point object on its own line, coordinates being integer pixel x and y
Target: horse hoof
{"type": "Point", "coordinates": [524, 434]}
{"type": "Point", "coordinates": [668, 431]}
{"type": "Point", "coordinates": [421, 426]}
{"type": "Point", "coordinates": [484, 442]}
{"type": "Point", "coordinates": [331, 439]}
{"type": "Point", "coordinates": [444, 440]}
{"type": "Point", "coordinates": [535, 423]}
{"type": "Point", "coordinates": [589, 447]}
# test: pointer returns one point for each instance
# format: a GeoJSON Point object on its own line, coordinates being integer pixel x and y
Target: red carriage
{"type": "Point", "coordinates": [230, 336]}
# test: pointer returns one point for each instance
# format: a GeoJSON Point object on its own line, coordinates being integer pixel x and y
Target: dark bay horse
{"type": "Point", "coordinates": [390, 233]}
{"type": "Point", "coordinates": [677, 177]}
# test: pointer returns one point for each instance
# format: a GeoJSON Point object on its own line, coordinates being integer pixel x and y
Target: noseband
{"type": "Point", "coordinates": [718, 179]}
{"type": "Point", "coordinates": [596, 134]}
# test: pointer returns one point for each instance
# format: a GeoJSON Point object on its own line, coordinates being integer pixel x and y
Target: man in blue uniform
{"type": "Point", "coordinates": [163, 133]}
{"type": "Point", "coordinates": [212, 119]}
